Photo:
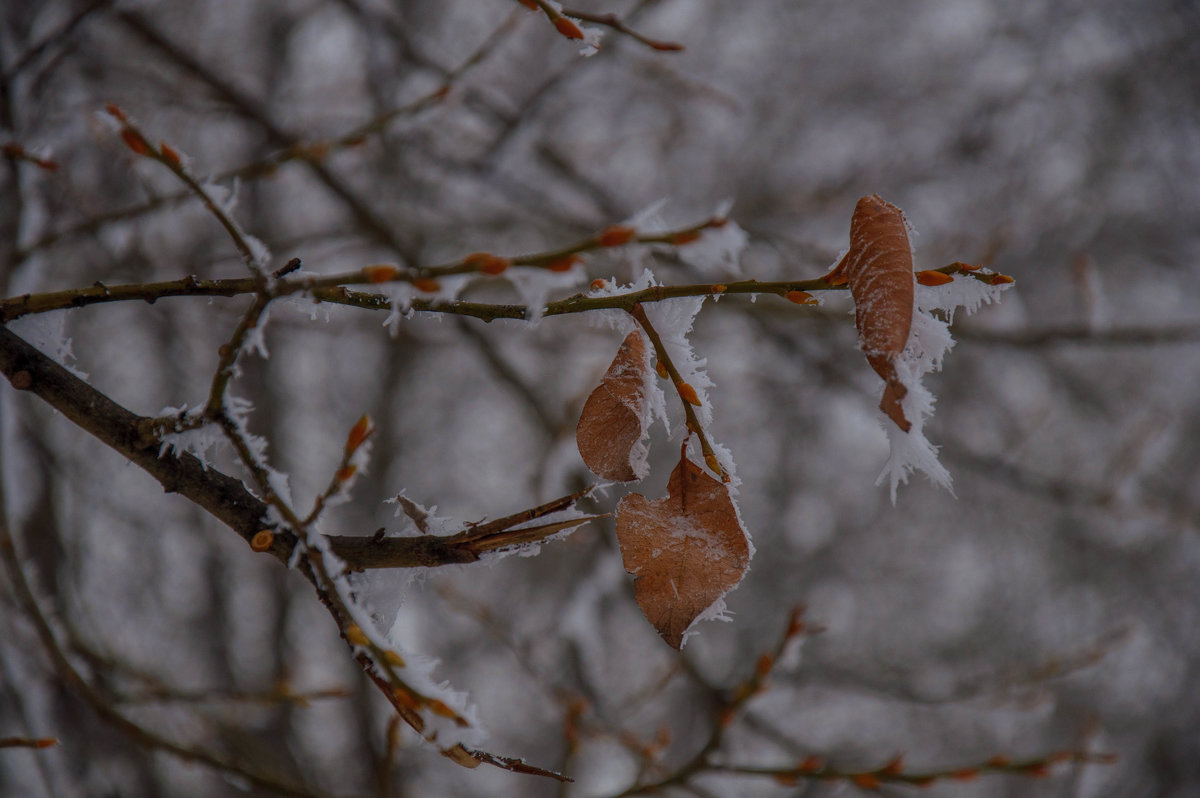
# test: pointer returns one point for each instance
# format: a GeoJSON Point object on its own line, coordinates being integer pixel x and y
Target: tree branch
{"type": "Point", "coordinates": [221, 495]}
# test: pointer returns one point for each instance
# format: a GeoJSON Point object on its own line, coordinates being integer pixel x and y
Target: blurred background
{"type": "Point", "coordinates": [1051, 603]}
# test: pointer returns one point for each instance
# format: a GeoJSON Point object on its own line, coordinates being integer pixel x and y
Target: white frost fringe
{"type": "Point", "coordinates": [928, 342]}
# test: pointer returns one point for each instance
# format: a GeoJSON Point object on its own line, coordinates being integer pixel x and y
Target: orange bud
{"type": "Point", "coordinates": [358, 433]}
{"type": "Point", "coordinates": [45, 742]}
{"type": "Point", "coordinates": [345, 473]}
{"type": "Point", "coordinates": [168, 153]}
{"type": "Point", "coordinates": [494, 265]}
{"type": "Point", "coordinates": [532, 6]}
{"type": "Point", "coordinates": [262, 540]}
{"type": "Point", "coordinates": [355, 635]}
{"type": "Point", "coordinates": [115, 111]}
{"type": "Point", "coordinates": [597, 284]}
{"type": "Point", "coordinates": [763, 667]}
{"type": "Point", "coordinates": [406, 699]}
{"type": "Point", "coordinates": [686, 237]}
{"type": "Point", "coordinates": [441, 708]}
{"type": "Point", "coordinates": [426, 284]}
{"type": "Point", "coordinates": [134, 141]}
{"type": "Point", "coordinates": [999, 761]}
{"type": "Point", "coordinates": [393, 659]}
{"type": "Point", "coordinates": [567, 28]}
{"type": "Point", "coordinates": [1000, 279]}
{"type": "Point", "coordinates": [661, 370]}
{"type": "Point", "coordinates": [930, 277]}
{"type": "Point", "coordinates": [1038, 771]}
{"type": "Point", "coordinates": [868, 781]}
{"type": "Point", "coordinates": [563, 264]}
{"type": "Point", "coordinates": [810, 764]}
{"type": "Point", "coordinates": [965, 267]}
{"type": "Point", "coordinates": [800, 297]}
{"type": "Point", "coordinates": [315, 151]}
{"type": "Point", "coordinates": [688, 394]}
{"type": "Point", "coordinates": [380, 273]}
{"type": "Point", "coordinates": [616, 235]}
{"type": "Point", "coordinates": [795, 621]}
{"type": "Point", "coordinates": [966, 774]}
{"type": "Point", "coordinates": [715, 466]}
{"type": "Point", "coordinates": [718, 288]}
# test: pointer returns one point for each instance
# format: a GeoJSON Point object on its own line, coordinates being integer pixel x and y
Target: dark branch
{"type": "Point", "coordinates": [223, 496]}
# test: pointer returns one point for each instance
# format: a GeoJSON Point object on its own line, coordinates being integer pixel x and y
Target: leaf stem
{"type": "Point", "coordinates": [693, 421]}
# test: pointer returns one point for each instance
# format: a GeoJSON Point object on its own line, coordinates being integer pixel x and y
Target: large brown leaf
{"type": "Point", "coordinates": [685, 550]}
{"type": "Point", "coordinates": [615, 416]}
{"type": "Point", "coordinates": [879, 270]}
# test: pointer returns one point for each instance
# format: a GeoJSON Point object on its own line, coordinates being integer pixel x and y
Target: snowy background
{"type": "Point", "coordinates": [1052, 602]}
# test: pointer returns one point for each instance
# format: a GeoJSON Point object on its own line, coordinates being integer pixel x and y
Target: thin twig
{"type": "Point", "coordinates": [681, 387]}
{"type": "Point", "coordinates": [616, 23]}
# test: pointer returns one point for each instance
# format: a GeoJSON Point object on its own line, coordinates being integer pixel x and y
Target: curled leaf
{"type": "Point", "coordinates": [879, 269]}
{"type": "Point", "coordinates": [616, 415]}
{"type": "Point", "coordinates": [685, 550]}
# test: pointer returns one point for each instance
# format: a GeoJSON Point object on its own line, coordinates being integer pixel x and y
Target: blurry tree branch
{"type": "Point", "coordinates": [104, 705]}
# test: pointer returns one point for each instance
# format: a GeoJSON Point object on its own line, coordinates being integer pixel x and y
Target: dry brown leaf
{"type": "Point", "coordinates": [879, 269]}
{"type": "Point", "coordinates": [615, 416]}
{"type": "Point", "coordinates": [685, 550]}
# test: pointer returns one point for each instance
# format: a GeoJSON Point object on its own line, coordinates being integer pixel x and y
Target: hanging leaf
{"type": "Point", "coordinates": [616, 415]}
{"type": "Point", "coordinates": [685, 550]}
{"type": "Point", "coordinates": [879, 269]}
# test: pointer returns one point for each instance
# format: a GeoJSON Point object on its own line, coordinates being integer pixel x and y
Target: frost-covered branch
{"type": "Point", "coordinates": [224, 497]}
{"type": "Point", "coordinates": [333, 289]}
{"type": "Point", "coordinates": [687, 394]}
